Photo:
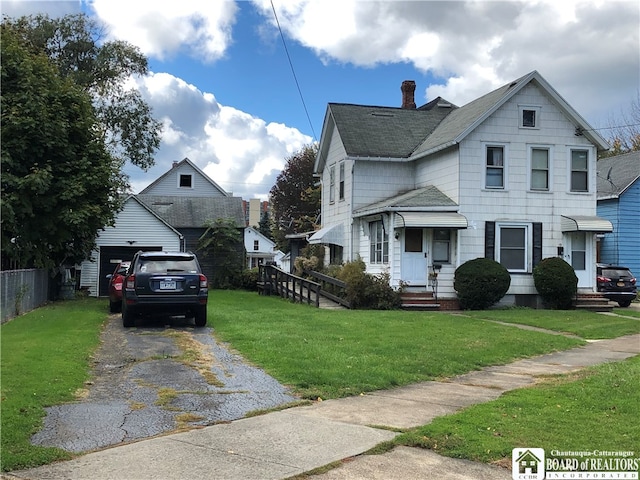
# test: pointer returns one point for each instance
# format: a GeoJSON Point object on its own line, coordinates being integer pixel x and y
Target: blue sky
{"type": "Point", "coordinates": [221, 83]}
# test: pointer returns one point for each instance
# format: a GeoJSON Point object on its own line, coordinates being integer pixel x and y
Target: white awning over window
{"type": "Point", "coordinates": [431, 220]}
{"type": "Point", "coordinates": [328, 235]}
{"type": "Point", "coordinates": [582, 223]}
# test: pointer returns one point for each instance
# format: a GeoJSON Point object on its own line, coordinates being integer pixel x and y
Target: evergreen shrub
{"type": "Point", "coordinates": [556, 282]}
{"type": "Point", "coordinates": [480, 283]}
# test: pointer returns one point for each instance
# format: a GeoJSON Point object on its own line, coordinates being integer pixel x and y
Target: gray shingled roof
{"type": "Point", "coordinates": [616, 174]}
{"type": "Point", "coordinates": [370, 131]}
{"type": "Point", "coordinates": [462, 118]}
{"type": "Point", "coordinates": [426, 197]}
{"type": "Point", "coordinates": [194, 212]}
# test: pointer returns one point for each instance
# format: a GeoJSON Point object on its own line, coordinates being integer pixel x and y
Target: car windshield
{"type": "Point", "coordinates": [616, 272]}
{"type": "Point", "coordinates": [166, 265]}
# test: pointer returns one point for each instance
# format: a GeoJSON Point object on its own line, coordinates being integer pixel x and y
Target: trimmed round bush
{"type": "Point", "coordinates": [556, 282]}
{"type": "Point", "coordinates": [480, 283]}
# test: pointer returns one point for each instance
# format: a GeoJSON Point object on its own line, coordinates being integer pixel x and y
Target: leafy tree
{"type": "Point", "coordinates": [222, 243]}
{"type": "Point", "coordinates": [59, 183]}
{"type": "Point", "coordinates": [296, 196]}
{"type": "Point", "coordinates": [625, 130]}
{"type": "Point", "coordinates": [73, 44]}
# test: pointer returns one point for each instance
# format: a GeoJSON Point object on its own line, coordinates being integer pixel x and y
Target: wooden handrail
{"type": "Point", "coordinates": [336, 294]}
{"type": "Point", "coordinates": [272, 279]}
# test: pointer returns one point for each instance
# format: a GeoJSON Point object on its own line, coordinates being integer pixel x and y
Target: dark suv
{"type": "Point", "coordinates": [168, 283]}
{"type": "Point", "coordinates": [616, 283]}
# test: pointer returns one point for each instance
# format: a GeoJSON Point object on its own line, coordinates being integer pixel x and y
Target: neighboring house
{"type": "Point", "coordinates": [260, 250]}
{"type": "Point", "coordinates": [619, 202]}
{"type": "Point", "coordinates": [509, 176]}
{"type": "Point", "coordinates": [184, 200]}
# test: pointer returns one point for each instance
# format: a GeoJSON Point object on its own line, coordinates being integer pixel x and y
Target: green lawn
{"type": "Point", "coordinates": [595, 408]}
{"type": "Point", "coordinates": [337, 353]}
{"type": "Point", "coordinates": [587, 325]}
{"type": "Point", "coordinates": [319, 353]}
{"type": "Point", "coordinates": [45, 359]}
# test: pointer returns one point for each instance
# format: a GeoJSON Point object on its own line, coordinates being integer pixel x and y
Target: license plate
{"type": "Point", "coordinates": [621, 284]}
{"type": "Point", "coordinates": [167, 284]}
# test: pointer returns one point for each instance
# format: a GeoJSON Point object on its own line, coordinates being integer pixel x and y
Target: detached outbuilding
{"type": "Point", "coordinates": [170, 214]}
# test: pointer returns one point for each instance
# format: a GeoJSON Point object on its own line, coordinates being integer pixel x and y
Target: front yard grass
{"type": "Point", "coordinates": [338, 353]}
{"type": "Point", "coordinates": [593, 409]}
{"type": "Point", "coordinates": [46, 356]}
{"type": "Point", "coordinates": [584, 324]}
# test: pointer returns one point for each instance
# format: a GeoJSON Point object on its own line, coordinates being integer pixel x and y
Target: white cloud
{"type": "Point", "coordinates": [163, 29]}
{"type": "Point", "coordinates": [241, 153]}
{"type": "Point", "coordinates": [587, 49]}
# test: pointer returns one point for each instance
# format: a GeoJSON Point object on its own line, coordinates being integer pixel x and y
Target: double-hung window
{"type": "Point", "coordinates": [513, 246]}
{"type": "Point", "coordinates": [341, 184]}
{"type": "Point", "coordinates": [256, 245]}
{"type": "Point", "coordinates": [579, 171]}
{"type": "Point", "coordinates": [332, 184]}
{"type": "Point", "coordinates": [379, 241]}
{"type": "Point", "coordinates": [495, 167]}
{"type": "Point", "coordinates": [539, 168]}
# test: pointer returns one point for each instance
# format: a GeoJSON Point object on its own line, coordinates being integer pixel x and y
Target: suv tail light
{"type": "Point", "coordinates": [117, 282]}
{"type": "Point", "coordinates": [203, 281]}
{"type": "Point", "coordinates": [632, 281]}
{"type": "Point", "coordinates": [603, 279]}
{"type": "Point", "coordinates": [131, 281]}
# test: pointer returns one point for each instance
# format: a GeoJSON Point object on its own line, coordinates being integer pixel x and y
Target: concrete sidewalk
{"type": "Point", "coordinates": [289, 442]}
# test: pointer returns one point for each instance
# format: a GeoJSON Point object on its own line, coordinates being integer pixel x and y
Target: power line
{"type": "Point", "coordinates": [293, 71]}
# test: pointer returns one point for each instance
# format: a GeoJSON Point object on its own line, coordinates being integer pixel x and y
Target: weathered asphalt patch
{"type": "Point", "coordinates": [140, 387]}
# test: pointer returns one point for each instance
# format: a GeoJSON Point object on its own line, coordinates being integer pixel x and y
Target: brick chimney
{"type": "Point", "coordinates": [408, 88]}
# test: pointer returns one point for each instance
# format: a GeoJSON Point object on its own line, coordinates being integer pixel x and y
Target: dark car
{"type": "Point", "coordinates": [617, 284]}
{"type": "Point", "coordinates": [167, 283]}
{"type": "Point", "coordinates": [116, 281]}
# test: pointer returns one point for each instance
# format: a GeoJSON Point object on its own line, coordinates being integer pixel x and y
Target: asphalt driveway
{"type": "Point", "coordinates": [154, 379]}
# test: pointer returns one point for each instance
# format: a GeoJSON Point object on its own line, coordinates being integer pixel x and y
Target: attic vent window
{"type": "Point", "coordinates": [529, 117]}
{"type": "Point", "coordinates": [444, 104]}
{"type": "Point", "coordinates": [186, 181]}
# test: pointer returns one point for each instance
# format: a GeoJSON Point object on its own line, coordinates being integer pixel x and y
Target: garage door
{"type": "Point", "coordinates": [110, 256]}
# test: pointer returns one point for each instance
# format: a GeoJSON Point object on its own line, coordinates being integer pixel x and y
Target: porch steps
{"type": "Point", "coordinates": [593, 302]}
{"type": "Point", "coordinates": [419, 301]}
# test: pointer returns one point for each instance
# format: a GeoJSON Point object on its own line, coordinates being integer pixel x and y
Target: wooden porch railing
{"type": "Point", "coordinates": [272, 280]}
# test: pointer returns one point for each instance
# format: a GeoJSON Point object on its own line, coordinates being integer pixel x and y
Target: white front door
{"type": "Point", "coordinates": [579, 256]}
{"type": "Point", "coordinates": [414, 257]}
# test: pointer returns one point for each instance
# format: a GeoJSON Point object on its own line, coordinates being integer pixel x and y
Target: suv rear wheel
{"type": "Point", "coordinates": [128, 320]}
{"type": "Point", "coordinates": [201, 316]}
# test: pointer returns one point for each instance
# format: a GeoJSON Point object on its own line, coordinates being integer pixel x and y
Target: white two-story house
{"type": "Point", "coordinates": [412, 191]}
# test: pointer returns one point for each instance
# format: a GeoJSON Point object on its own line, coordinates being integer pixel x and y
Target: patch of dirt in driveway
{"type": "Point", "coordinates": [156, 379]}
